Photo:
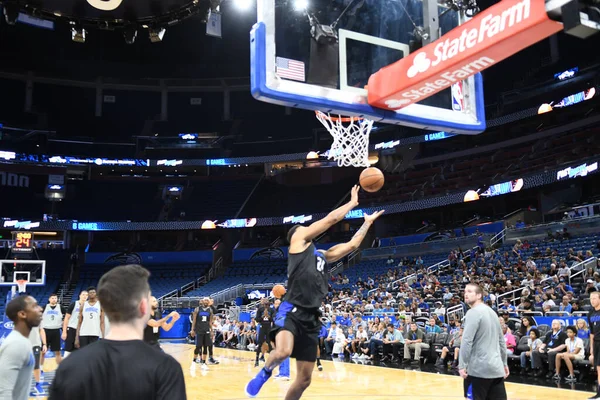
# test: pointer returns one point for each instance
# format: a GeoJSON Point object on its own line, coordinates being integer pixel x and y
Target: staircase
{"type": "Point", "coordinates": [65, 293]}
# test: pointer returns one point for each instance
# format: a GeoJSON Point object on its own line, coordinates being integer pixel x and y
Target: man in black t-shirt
{"type": "Point", "coordinates": [297, 324]}
{"type": "Point", "coordinates": [594, 323]}
{"type": "Point", "coordinates": [152, 329]}
{"type": "Point", "coordinates": [121, 366]}
{"type": "Point", "coordinates": [264, 319]}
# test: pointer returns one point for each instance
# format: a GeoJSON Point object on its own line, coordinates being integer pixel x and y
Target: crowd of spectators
{"type": "Point", "coordinates": [409, 314]}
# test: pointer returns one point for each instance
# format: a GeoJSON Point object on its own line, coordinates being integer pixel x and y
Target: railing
{"type": "Point", "coordinates": [498, 238]}
{"type": "Point", "coordinates": [456, 312]}
{"type": "Point", "coordinates": [584, 265]}
{"type": "Point", "coordinates": [336, 267]}
{"type": "Point", "coordinates": [436, 267]}
{"type": "Point", "coordinates": [513, 298]}
{"type": "Point", "coordinates": [172, 293]}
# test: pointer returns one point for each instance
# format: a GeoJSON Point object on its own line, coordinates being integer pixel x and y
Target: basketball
{"type": "Point", "coordinates": [371, 179]}
{"type": "Point", "coordinates": [278, 291]}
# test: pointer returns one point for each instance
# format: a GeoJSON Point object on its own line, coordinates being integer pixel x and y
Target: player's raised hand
{"type": "Point", "coordinates": [354, 195]}
{"type": "Point", "coordinates": [374, 216]}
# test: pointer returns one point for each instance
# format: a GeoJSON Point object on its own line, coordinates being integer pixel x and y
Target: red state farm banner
{"type": "Point", "coordinates": [491, 36]}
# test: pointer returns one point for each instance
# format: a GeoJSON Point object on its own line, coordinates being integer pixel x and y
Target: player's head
{"type": "Point", "coordinates": [595, 299]}
{"type": "Point", "coordinates": [83, 296]}
{"type": "Point", "coordinates": [153, 303]}
{"type": "Point", "coordinates": [53, 299]}
{"type": "Point", "coordinates": [91, 293]}
{"type": "Point", "coordinates": [473, 294]}
{"type": "Point", "coordinates": [125, 295]}
{"type": "Point", "coordinates": [291, 232]}
{"type": "Point", "coordinates": [24, 310]}
{"type": "Point", "coordinates": [205, 302]}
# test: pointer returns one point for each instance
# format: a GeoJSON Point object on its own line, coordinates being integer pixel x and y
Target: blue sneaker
{"type": "Point", "coordinates": [254, 386]}
{"type": "Point", "coordinates": [38, 390]}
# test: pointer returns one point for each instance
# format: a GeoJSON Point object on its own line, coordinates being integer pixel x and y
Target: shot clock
{"type": "Point", "coordinates": [23, 242]}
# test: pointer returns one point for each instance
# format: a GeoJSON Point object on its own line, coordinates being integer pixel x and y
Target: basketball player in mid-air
{"type": "Point", "coordinates": [297, 323]}
{"type": "Point", "coordinates": [91, 321]}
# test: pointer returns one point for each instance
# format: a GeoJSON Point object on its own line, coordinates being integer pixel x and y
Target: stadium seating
{"type": "Point", "coordinates": [246, 272]}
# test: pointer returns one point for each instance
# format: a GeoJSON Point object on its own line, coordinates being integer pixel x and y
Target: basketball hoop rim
{"type": "Point", "coordinates": [21, 284]}
{"type": "Point", "coordinates": [339, 118]}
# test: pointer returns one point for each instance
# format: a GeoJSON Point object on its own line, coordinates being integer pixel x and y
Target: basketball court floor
{"type": "Point", "coordinates": [338, 379]}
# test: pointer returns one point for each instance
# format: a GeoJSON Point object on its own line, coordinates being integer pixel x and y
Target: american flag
{"type": "Point", "coordinates": [290, 69]}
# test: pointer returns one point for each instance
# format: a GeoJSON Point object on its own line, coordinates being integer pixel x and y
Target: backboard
{"type": "Point", "coordinates": [321, 57]}
{"type": "Point", "coordinates": [33, 271]}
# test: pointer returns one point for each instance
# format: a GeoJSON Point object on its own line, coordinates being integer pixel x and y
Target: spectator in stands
{"type": "Point", "coordinates": [517, 249]}
{"type": "Point", "coordinates": [534, 344]}
{"type": "Point", "coordinates": [583, 331]}
{"type": "Point", "coordinates": [358, 342]}
{"type": "Point", "coordinates": [553, 343]}
{"type": "Point", "coordinates": [575, 352]}
{"type": "Point", "coordinates": [509, 338]}
{"type": "Point", "coordinates": [563, 271]}
{"type": "Point", "coordinates": [453, 347]}
{"type": "Point", "coordinates": [527, 324]}
{"type": "Point", "coordinates": [432, 327]}
{"type": "Point", "coordinates": [526, 305]}
{"type": "Point", "coordinates": [392, 342]}
{"type": "Point", "coordinates": [565, 306]}
{"type": "Point", "coordinates": [331, 339]}
{"type": "Point", "coordinates": [414, 342]}
{"type": "Point", "coordinates": [375, 342]}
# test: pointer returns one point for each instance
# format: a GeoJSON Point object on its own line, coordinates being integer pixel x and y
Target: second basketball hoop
{"type": "Point", "coordinates": [350, 146]}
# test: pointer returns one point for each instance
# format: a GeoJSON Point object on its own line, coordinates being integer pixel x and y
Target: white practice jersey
{"type": "Point", "coordinates": [90, 325]}
{"type": "Point", "coordinates": [74, 320]}
{"type": "Point", "coordinates": [52, 317]}
{"type": "Point", "coordinates": [34, 337]}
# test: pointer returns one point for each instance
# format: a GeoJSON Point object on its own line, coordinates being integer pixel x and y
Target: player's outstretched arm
{"type": "Point", "coordinates": [343, 249]}
{"type": "Point", "coordinates": [308, 233]}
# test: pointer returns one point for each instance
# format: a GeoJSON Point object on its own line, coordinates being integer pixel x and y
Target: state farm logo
{"type": "Point", "coordinates": [420, 64]}
{"type": "Point", "coordinates": [455, 45]}
{"type": "Point", "coordinates": [490, 26]}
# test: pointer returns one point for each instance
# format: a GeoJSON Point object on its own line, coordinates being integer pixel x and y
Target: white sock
{"type": "Point", "coordinates": [66, 354]}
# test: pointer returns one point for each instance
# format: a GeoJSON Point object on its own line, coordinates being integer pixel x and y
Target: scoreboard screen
{"type": "Point", "coordinates": [23, 242]}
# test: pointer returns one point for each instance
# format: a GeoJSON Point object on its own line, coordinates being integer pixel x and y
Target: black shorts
{"type": "Point", "coordinates": [484, 389]}
{"type": "Point", "coordinates": [53, 339]}
{"type": "Point", "coordinates": [70, 342]}
{"type": "Point", "coordinates": [203, 339]}
{"type": "Point", "coordinates": [85, 340]}
{"type": "Point", "coordinates": [596, 354]}
{"type": "Point", "coordinates": [263, 335]}
{"type": "Point", "coordinates": [304, 324]}
{"type": "Point", "coordinates": [37, 353]}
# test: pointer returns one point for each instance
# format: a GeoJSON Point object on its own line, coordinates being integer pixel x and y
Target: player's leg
{"type": "Point", "coordinates": [70, 341]}
{"type": "Point", "coordinates": [284, 344]}
{"type": "Point", "coordinates": [211, 342]}
{"type": "Point", "coordinates": [284, 370]}
{"type": "Point", "coordinates": [304, 370]}
{"type": "Point", "coordinates": [54, 344]}
{"type": "Point", "coordinates": [496, 389]}
{"type": "Point", "coordinates": [38, 390]}
{"type": "Point", "coordinates": [204, 344]}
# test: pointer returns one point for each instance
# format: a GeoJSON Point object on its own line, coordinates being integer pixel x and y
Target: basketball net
{"type": "Point", "coordinates": [350, 146]}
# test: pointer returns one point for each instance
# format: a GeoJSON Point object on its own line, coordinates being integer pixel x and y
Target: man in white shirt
{"type": "Point", "coordinates": [16, 356]}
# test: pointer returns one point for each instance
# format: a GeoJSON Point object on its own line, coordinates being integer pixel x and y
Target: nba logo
{"type": "Point", "coordinates": [458, 101]}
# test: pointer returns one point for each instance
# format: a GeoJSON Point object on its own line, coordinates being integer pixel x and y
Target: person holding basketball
{"type": "Point", "coordinates": [297, 322]}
